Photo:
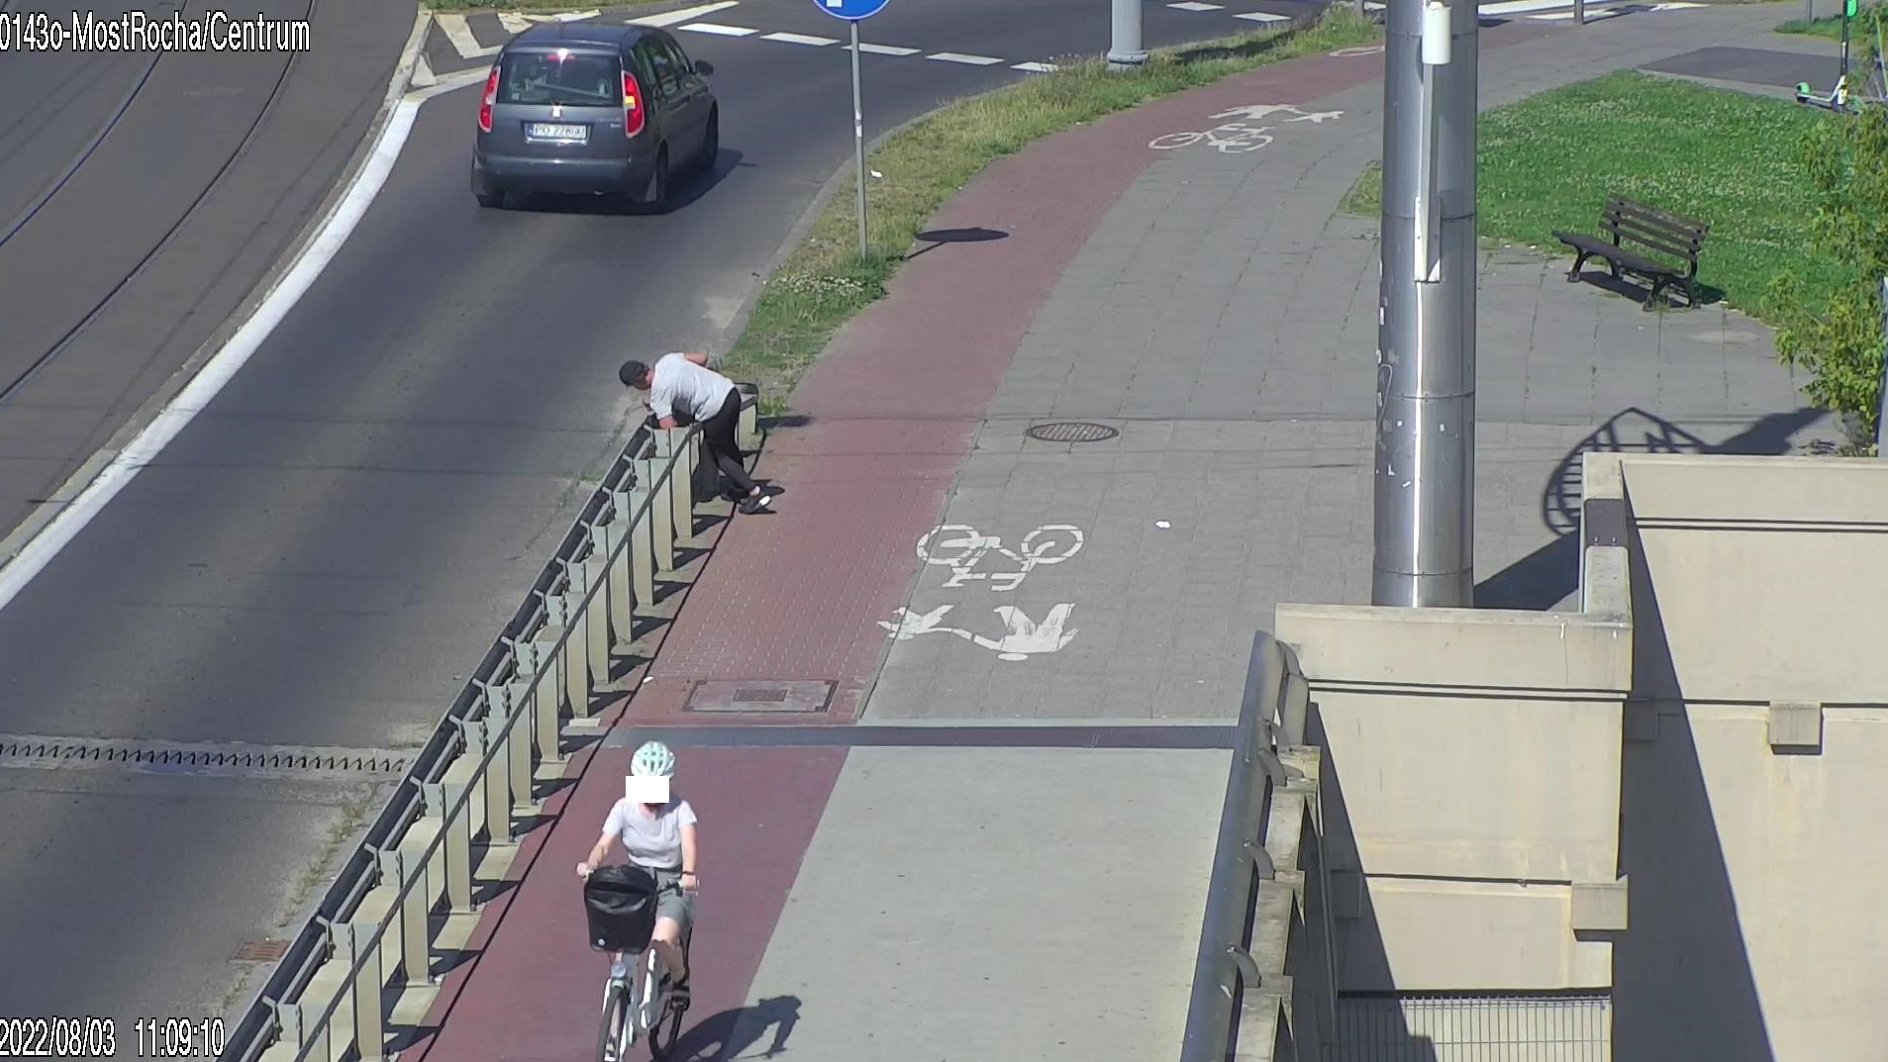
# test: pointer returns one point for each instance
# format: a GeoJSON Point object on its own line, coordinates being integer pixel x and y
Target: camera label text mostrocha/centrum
{"type": "Point", "coordinates": [138, 31]}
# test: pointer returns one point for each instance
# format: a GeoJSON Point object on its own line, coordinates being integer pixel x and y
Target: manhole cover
{"type": "Point", "coordinates": [767, 697]}
{"type": "Point", "coordinates": [260, 951]}
{"type": "Point", "coordinates": [1071, 432]}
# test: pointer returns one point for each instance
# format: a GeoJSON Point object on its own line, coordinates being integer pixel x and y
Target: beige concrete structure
{"type": "Point", "coordinates": [1668, 794]}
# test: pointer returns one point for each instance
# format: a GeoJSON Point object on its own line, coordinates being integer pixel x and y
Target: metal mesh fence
{"type": "Point", "coordinates": [1481, 1028]}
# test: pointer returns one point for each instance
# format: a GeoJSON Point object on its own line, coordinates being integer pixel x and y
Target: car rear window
{"type": "Point", "coordinates": [561, 76]}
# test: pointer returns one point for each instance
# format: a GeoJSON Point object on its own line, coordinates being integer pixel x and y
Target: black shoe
{"type": "Point", "coordinates": [772, 490]}
{"type": "Point", "coordinates": [756, 504]}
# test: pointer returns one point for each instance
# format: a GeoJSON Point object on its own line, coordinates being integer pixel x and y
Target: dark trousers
{"type": "Point", "coordinates": [718, 434]}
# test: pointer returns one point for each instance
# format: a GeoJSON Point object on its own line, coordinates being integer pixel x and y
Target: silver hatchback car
{"type": "Point", "coordinates": [589, 108]}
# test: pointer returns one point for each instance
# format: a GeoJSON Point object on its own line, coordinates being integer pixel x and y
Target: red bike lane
{"type": "Point", "coordinates": [884, 420]}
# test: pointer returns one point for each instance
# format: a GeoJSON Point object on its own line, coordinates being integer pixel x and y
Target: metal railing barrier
{"type": "Point", "coordinates": [1264, 981]}
{"type": "Point", "coordinates": [376, 931]}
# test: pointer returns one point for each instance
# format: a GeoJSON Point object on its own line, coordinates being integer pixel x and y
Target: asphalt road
{"type": "Point", "coordinates": [325, 551]}
{"type": "Point", "coordinates": [142, 197]}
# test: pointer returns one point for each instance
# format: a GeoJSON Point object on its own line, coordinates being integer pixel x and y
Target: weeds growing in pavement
{"type": "Point", "coordinates": [825, 282]}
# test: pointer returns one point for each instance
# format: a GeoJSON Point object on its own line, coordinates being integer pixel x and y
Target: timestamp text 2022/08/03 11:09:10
{"type": "Point", "coordinates": [98, 1038]}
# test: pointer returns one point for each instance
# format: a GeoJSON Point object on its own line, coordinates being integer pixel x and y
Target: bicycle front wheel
{"type": "Point", "coordinates": [613, 1033]}
{"type": "Point", "coordinates": [666, 1029]}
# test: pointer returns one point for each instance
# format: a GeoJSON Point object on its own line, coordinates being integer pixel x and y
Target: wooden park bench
{"type": "Point", "coordinates": [1631, 229]}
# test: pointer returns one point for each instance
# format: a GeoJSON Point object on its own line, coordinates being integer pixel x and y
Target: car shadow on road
{"type": "Point", "coordinates": [732, 1034]}
{"type": "Point", "coordinates": [686, 191]}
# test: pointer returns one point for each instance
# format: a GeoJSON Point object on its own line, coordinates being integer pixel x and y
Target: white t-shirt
{"type": "Point", "coordinates": [680, 383]}
{"type": "Point", "coordinates": [652, 840]}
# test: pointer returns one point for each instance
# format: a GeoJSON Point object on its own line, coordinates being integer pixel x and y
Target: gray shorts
{"type": "Point", "coordinates": [678, 907]}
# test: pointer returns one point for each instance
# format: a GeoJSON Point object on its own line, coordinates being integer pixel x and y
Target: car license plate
{"type": "Point", "coordinates": [558, 131]}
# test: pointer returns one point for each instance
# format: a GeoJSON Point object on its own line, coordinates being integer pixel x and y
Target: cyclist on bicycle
{"type": "Point", "coordinates": [658, 831]}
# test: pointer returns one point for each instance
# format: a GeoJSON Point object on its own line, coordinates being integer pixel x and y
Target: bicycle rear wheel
{"type": "Point", "coordinates": [616, 1029]}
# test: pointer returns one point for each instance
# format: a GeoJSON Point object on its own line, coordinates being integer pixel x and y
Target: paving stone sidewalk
{"type": "Point", "coordinates": [1222, 319]}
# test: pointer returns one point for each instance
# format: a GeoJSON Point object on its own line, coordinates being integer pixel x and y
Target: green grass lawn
{"type": "Point", "coordinates": [1721, 157]}
{"type": "Point", "coordinates": [824, 282]}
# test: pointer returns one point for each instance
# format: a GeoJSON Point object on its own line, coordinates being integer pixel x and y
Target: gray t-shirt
{"type": "Point", "coordinates": [652, 840]}
{"type": "Point", "coordinates": [679, 384]}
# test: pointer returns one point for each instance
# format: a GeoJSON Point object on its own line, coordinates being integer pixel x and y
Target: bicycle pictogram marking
{"type": "Point", "coordinates": [961, 548]}
{"type": "Point", "coordinates": [1234, 134]}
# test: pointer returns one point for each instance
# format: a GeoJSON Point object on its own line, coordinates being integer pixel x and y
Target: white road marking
{"type": "Point", "coordinates": [1035, 68]}
{"type": "Point", "coordinates": [670, 18]}
{"type": "Point", "coordinates": [222, 366]}
{"type": "Point", "coordinates": [1263, 16]}
{"type": "Point", "coordinates": [799, 38]}
{"type": "Point", "coordinates": [959, 57]}
{"type": "Point", "coordinates": [514, 23]}
{"type": "Point", "coordinates": [460, 34]}
{"type": "Point", "coordinates": [572, 16]}
{"type": "Point", "coordinates": [1195, 5]}
{"type": "Point", "coordinates": [718, 29]}
{"type": "Point", "coordinates": [450, 83]}
{"type": "Point", "coordinates": [887, 49]}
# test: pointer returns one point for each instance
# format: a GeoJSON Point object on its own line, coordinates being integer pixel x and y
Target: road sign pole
{"type": "Point", "coordinates": [858, 135]}
{"type": "Point", "coordinates": [1126, 52]}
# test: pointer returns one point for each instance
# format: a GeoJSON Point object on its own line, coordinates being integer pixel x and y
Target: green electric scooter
{"type": "Point", "coordinates": [1840, 99]}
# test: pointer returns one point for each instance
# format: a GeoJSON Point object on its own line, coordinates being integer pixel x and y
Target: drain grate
{"type": "Point", "coordinates": [767, 697]}
{"type": "Point", "coordinates": [1071, 432]}
{"type": "Point", "coordinates": [219, 759]}
{"type": "Point", "coordinates": [260, 951]}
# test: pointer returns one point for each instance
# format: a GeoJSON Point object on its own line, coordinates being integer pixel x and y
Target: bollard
{"type": "Point", "coordinates": [642, 550]}
{"type": "Point", "coordinates": [350, 942]}
{"type": "Point", "coordinates": [416, 958]}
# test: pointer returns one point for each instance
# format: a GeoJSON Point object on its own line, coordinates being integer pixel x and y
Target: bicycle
{"type": "Point", "coordinates": [637, 1000]}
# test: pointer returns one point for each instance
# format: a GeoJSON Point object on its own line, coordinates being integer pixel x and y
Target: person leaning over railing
{"type": "Point", "coordinates": [682, 385]}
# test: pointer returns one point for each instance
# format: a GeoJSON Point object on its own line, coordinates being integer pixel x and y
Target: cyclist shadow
{"type": "Point", "coordinates": [732, 1034]}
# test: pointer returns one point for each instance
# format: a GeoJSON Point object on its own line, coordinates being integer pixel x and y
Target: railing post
{"type": "Point", "coordinates": [576, 642]}
{"type": "Point", "coordinates": [416, 957]}
{"type": "Point", "coordinates": [440, 798]}
{"type": "Point", "coordinates": [661, 513]}
{"type": "Point", "coordinates": [676, 447]}
{"type": "Point", "coordinates": [749, 429]}
{"type": "Point", "coordinates": [497, 776]}
{"type": "Point", "coordinates": [539, 695]}
{"type": "Point", "coordinates": [292, 1021]}
{"type": "Point", "coordinates": [617, 552]}
{"type": "Point", "coordinates": [642, 545]}
{"type": "Point", "coordinates": [350, 940]}
{"type": "Point", "coordinates": [520, 726]}
{"type": "Point", "coordinates": [551, 659]}
{"type": "Point", "coordinates": [597, 620]}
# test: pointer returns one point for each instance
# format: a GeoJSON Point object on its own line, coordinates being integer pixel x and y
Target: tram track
{"type": "Point", "coordinates": [18, 378]}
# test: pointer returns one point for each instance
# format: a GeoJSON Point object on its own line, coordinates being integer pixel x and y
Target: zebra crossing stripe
{"type": "Point", "coordinates": [959, 57]}
{"type": "Point", "coordinates": [460, 34]}
{"type": "Point", "coordinates": [687, 14]}
{"type": "Point", "coordinates": [799, 38]}
{"type": "Point", "coordinates": [1263, 16]}
{"type": "Point", "coordinates": [718, 30]}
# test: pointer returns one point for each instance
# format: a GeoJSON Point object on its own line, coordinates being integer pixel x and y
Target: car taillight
{"type": "Point", "coordinates": [633, 114]}
{"type": "Point", "coordinates": [485, 105]}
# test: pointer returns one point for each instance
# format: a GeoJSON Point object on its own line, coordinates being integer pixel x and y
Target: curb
{"type": "Point", "coordinates": [16, 541]}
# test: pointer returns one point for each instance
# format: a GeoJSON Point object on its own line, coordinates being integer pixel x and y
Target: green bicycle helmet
{"type": "Point", "coordinates": [653, 760]}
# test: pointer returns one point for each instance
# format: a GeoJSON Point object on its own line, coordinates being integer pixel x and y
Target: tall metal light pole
{"type": "Point", "coordinates": [1124, 49]}
{"type": "Point", "coordinates": [1425, 467]}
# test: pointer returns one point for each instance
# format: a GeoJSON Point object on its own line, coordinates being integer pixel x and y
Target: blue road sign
{"type": "Point", "coordinates": [851, 10]}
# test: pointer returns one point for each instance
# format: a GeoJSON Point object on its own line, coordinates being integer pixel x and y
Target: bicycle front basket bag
{"type": "Point", "coordinates": [620, 905]}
